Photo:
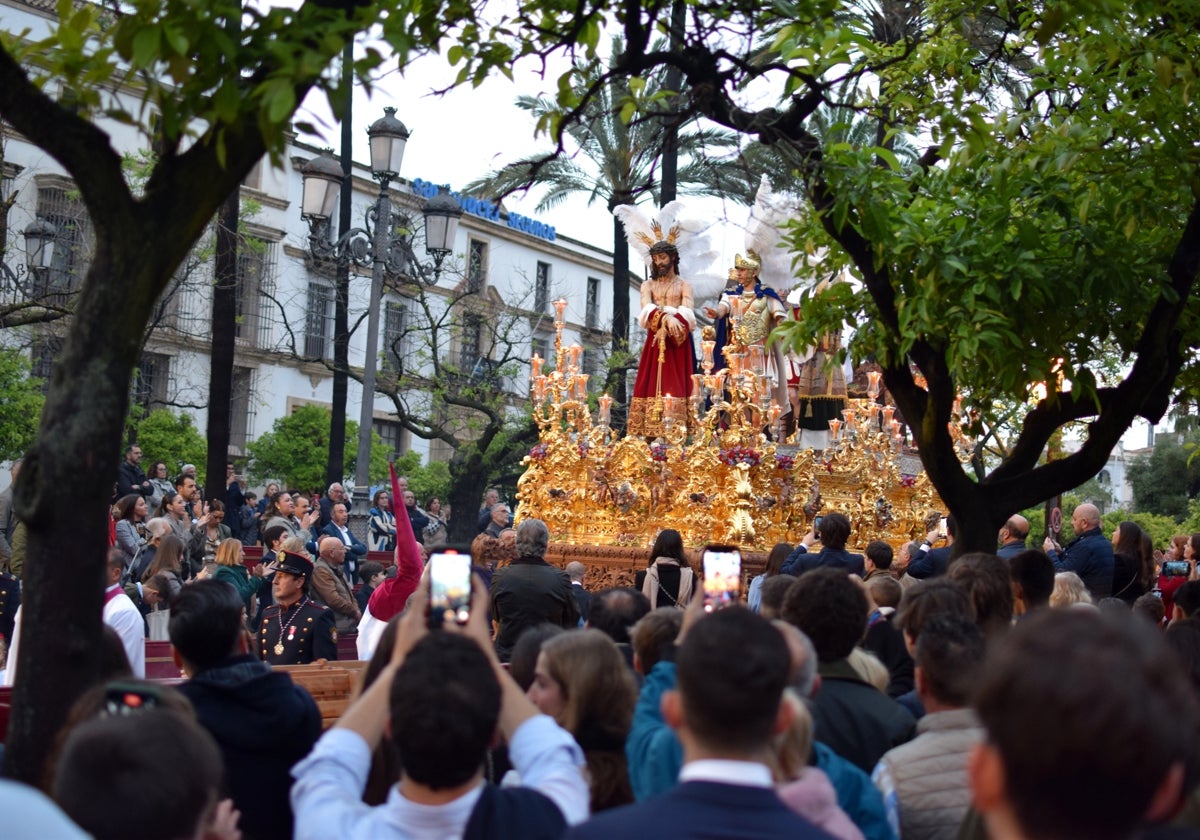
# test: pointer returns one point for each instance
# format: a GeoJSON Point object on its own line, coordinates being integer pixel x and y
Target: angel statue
{"type": "Point", "coordinates": [760, 274]}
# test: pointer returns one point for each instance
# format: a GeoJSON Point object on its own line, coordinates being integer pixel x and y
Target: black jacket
{"type": "Point", "coordinates": [855, 719]}
{"type": "Point", "coordinates": [527, 592]}
{"type": "Point", "coordinates": [263, 723]}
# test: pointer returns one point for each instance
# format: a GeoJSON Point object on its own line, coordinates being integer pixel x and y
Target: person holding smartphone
{"type": "Point", "coordinates": [833, 534]}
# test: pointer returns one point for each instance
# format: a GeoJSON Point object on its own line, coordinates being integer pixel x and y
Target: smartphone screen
{"type": "Point", "coordinates": [1176, 568]}
{"type": "Point", "coordinates": [941, 529]}
{"type": "Point", "coordinates": [817, 526]}
{"type": "Point", "coordinates": [449, 588]}
{"type": "Point", "coordinates": [126, 698]}
{"type": "Point", "coordinates": [722, 576]}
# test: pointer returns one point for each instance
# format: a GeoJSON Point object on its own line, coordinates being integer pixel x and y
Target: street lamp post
{"type": "Point", "coordinates": [377, 245]}
{"type": "Point", "coordinates": [39, 253]}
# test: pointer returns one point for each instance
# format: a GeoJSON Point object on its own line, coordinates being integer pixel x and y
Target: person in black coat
{"type": "Point", "coordinates": [262, 721]}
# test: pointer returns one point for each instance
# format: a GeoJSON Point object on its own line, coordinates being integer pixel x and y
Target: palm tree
{"type": "Point", "coordinates": [615, 160]}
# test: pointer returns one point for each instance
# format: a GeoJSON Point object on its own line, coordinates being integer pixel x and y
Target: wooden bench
{"type": "Point", "coordinates": [331, 684]}
{"type": "Point", "coordinates": [160, 663]}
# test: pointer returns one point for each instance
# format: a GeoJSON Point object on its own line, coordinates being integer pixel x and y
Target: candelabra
{"type": "Point", "coordinates": [720, 471]}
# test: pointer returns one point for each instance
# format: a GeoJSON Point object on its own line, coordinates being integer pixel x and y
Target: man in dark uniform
{"type": "Point", "coordinates": [294, 630]}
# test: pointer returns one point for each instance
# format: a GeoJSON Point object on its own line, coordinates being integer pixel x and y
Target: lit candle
{"type": "Point", "coordinates": [697, 384]}
{"type": "Point", "coordinates": [536, 365]}
{"type": "Point", "coordinates": [560, 306]}
{"type": "Point", "coordinates": [581, 381]}
{"type": "Point", "coordinates": [756, 358]}
{"type": "Point", "coordinates": [735, 362]}
{"type": "Point", "coordinates": [873, 378]}
{"type": "Point", "coordinates": [888, 412]}
{"type": "Point", "coordinates": [707, 346]}
{"type": "Point", "coordinates": [835, 427]}
{"type": "Point", "coordinates": [605, 408]}
{"type": "Point", "coordinates": [774, 412]}
{"type": "Point", "coordinates": [669, 403]}
{"type": "Point", "coordinates": [576, 351]}
{"type": "Point", "coordinates": [848, 413]}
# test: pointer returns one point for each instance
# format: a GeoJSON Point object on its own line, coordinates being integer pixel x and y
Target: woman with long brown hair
{"type": "Point", "coordinates": [582, 681]}
{"type": "Point", "coordinates": [669, 580]}
{"type": "Point", "coordinates": [1133, 563]}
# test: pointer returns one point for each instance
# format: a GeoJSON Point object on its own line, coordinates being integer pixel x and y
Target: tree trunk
{"type": "Point", "coordinates": [76, 453]}
{"type": "Point", "coordinates": [224, 327]}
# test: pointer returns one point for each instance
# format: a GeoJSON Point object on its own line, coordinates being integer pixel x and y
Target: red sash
{"type": "Point", "coordinates": [112, 593]}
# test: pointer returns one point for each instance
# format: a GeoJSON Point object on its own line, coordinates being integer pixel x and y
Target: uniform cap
{"type": "Point", "coordinates": [296, 564]}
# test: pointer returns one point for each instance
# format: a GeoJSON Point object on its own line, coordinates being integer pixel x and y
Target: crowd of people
{"type": "Point", "coordinates": [907, 693]}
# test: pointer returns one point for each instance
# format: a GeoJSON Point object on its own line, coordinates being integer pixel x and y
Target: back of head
{"type": "Point", "coordinates": [654, 635]}
{"type": "Point", "coordinates": [525, 652]}
{"type": "Point", "coordinates": [774, 590]}
{"type": "Point", "coordinates": [614, 612]}
{"type": "Point", "coordinates": [930, 598]}
{"type": "Point", "coordinates": [1150, 608]}
{"type": "Point", "coordinates": [1068, 590]}
{"type": "Point", "coordinates": [835, 530]}
{"type": "Point", "coordinates": [206, 622]}
{"type": "Point", "coordinates": [830, 609]}
{"type": "Point", "coordinates": [576, 571]}
{"type": "Point", "coordinates": [1072, 689]}
{"type": "Point", "coordinates": [1187, 598]}
{"type": "Point", "coordinates": [445, 702]}
{"type": "Point", "coordinates": [1183, 638]}
{"type": "Point", "coordinates": [879, 553]}
{"type": "Point", "coordinates": [1033, 571]}
{"type": "Point", "coordinates": [949, 652]}
{"type": "Point", "coordinates": [777, 557]}
{"type": "Point", "coordinates": [151, 774]}
{"type": "Point", "coordinates": [533, 537]}
{"type": "Point", "coordinates": [885, 591]}
{"type": "Point", "coordinates": [669, 543]}
{"type": "Point", "coordinates": [732, 669]}
{"type": "Point", "coordinates": [988, 583]}
{"type": "Point", "coordinates": [598, 689]}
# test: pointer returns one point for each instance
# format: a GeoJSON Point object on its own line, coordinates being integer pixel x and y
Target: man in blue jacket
{"type": "Point", "coordinates": [834, 532]}
{"type": "Point", "coordinates": [655, 755]}
{"type": "Point", "coordinates": [1089, 555]}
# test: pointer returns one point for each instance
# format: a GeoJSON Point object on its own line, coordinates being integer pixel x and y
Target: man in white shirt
{"type": "Point", "coordinates": [442, 697]}
{"type": "Point", "coordinates": [121, 615]}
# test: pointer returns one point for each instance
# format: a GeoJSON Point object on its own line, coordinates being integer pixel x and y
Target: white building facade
{"type": "Point", "coordinates": [489, 311]}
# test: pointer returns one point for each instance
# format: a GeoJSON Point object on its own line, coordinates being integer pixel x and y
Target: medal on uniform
{"type": "Point", "coordinates": [288, 627]}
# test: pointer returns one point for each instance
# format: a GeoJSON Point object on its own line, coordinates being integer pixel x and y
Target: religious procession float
{"type": "Point", "coordinates": [746, 452]}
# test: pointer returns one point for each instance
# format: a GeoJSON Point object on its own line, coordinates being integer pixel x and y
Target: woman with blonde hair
{"type": "Point", "coordinates": [1069, 591]}
{"type": "Point", "coordinates": [804, 789]}
{"type": "Point", "coordinates": [231, 570]}
{"type": "Point", "coordinates": [582, 681]}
